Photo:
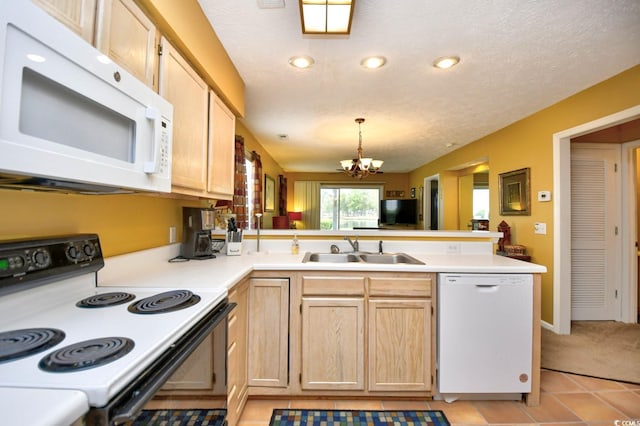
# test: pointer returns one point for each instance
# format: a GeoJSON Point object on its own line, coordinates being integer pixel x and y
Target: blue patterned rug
{"type": "Point", "coordinates": [286, 417]}
{"type": "Point", "coordinates": [180, 418]}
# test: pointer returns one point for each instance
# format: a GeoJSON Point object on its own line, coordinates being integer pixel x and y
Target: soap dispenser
{"type": "Point", "coordinates": [295, 247]}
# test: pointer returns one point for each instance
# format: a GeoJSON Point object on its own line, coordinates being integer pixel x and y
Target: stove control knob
{"type": "Point", "coordinates": [89, 249]}
{"type": "Point", "coordinates": [72, 252]}
{"type": "Point", "coordinates": [41, 258]}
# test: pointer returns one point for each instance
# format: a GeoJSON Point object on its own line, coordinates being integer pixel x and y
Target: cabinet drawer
{"type": "Point", "coordinates": [338, 286]}
{"type": "Point", "coordinates": [400, 286]}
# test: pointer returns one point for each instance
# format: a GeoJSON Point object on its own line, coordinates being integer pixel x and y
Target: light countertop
{"type": "Point", "coordinates": [42, 407]}
{"type": "Point", "coordinates": [150, 268]}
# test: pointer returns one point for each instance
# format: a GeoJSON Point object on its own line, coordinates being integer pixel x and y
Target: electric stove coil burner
{"type": "Point", "coordinates": [87, 354]}
{"type": "Point", "coordinates": [164, 302]}
{"type": "Point", "coordinates": [105, 299]}
{"type": "Point", "coordinates": [17, 344]}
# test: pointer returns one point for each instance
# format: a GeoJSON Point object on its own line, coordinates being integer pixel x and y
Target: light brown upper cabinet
{"type": "Point", "coordinates": [203, 130]}
{"type": "Point", "coordinates": [222, 126]}
{"type": "Point", "coordinates": [128, 36]}
{"type": "Point", "coordinates": [189, 94]}
{"type": "Point", "coordinates": [77, 15]}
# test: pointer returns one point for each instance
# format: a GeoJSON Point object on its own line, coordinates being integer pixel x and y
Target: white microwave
{"type": "Point", "coordinates": [70, 118]}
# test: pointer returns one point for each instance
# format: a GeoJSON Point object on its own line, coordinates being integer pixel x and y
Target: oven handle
{"type": "Point", "coordinates": [126, 406]}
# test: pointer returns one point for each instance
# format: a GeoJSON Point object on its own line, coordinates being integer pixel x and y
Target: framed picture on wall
{"type": "Point", "coordinates": [514, 188]}
{"type": "Point", "coordinates": [269, 193]}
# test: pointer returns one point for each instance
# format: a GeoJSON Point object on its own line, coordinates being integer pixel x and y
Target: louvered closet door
{"type": "Point", "coordinates": [595, 216]}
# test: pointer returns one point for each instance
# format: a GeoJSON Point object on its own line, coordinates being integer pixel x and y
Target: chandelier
{"type": "Point", "coordinates": [361, 167]}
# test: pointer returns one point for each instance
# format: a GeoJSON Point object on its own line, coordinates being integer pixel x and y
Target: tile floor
{"type": "Point", "coordinates": [566, 399]}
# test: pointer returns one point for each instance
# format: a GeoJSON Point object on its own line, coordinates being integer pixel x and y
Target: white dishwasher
{"type": "Point", "coordinates": [484, 335]}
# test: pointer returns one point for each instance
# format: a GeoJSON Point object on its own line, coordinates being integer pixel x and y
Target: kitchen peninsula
{"type": "Point", "coordinates": [289, 300]}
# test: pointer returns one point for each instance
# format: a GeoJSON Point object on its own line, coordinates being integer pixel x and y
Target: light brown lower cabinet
{"type": "Point", "coordinates": [367, 332]}
{"type": "Point", "coordinates": [269, 332]}
{"type": "Point", "coordinates": [332, 343]}
{"type": "Point", "coordinates": [196, 373]}
{"type": "Point", "coordinates": [401, 332]}
{"type": "Point", "coordinates": [237, 372]}
{"type": "Point", "coordinates": [399, 344]}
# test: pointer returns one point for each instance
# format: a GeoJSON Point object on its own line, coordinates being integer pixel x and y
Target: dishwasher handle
{"type": "Point", "coordinates": [487, 288]}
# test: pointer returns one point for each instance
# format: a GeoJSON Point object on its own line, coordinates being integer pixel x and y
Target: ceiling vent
{"type": "Point", "coordinates": [270, 4]}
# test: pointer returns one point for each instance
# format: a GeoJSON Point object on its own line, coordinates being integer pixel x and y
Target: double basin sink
{"type": "Point", "coordinates": [360, 257]}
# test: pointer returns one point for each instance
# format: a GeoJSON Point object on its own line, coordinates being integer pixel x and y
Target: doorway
{"type": "Point", "coordinates": [432, 207]}
{"type": "Point", "coordinates": [562, 220]}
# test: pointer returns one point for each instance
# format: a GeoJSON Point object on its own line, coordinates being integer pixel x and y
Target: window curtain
{"type": "Point", "coordinates": [306, 197]}
{"type": "Point", "coordinates": [240, 185]}
{"type": "Point", "coordinates": [282, 195]}
{"type": "Point", "coordinates": [257, 188]}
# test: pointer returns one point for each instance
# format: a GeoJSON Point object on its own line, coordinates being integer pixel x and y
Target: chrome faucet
{"type": "Point", "coordinates": [354, 244]}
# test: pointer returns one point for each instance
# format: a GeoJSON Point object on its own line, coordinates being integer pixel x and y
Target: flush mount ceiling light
{"type": "Point", "coordinates": [446, 62]}
{"type": "Point", "coordinates": [361, 167]}
{"type": "Point", "coordinates": [326, 16]}
{"type": "Point", "coordinates": [373, 62]}
{"type": "Point", "coordinates": [301, 62]}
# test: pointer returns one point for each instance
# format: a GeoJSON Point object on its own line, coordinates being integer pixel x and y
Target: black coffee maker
{"type": "Point", "coordinates": [197, 224]}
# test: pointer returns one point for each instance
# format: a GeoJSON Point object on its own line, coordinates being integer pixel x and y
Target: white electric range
{"type": "Point", "coordinates": [114, 354]}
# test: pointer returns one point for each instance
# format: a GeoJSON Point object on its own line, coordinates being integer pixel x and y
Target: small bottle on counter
{"type": "Point", "coordinates": [295, 246]}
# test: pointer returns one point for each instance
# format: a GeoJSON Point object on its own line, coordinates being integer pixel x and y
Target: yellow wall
{"type": "Point", "coordinates": [529, 143]}
{"type": "Point", "coordinates": [465, 201]}
{"type": "Point", "coordinates": [124, 223]}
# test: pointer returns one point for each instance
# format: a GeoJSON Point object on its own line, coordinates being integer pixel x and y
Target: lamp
{"type": "Point", "coordinates": [326, 16]}
{"type": "Point", "coordinates": [361, 167]}
{"type": "Point", "coordinates": [293, 216]}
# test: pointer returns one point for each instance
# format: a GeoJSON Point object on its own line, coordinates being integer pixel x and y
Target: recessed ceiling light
{"type": "Point", "coordinates": [446, 62]}
{"type": "Point", "coordinates": [373, 62]}
{"type": "Point", "coordinates": [301, 62]}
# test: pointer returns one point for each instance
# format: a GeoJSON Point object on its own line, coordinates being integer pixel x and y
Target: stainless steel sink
{"type": "Point", "coordinates": [331, 257]}
{"type": "Point", "coordinates": [386, 258]}
{"type": "Point", "coordinates": [390, 258]}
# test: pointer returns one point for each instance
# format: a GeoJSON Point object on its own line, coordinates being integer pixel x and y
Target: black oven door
{"type": "Point", "coordinates": [127, 405]}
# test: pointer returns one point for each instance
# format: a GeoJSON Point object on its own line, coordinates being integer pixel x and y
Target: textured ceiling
{"type": "Point", "coordinates": [517, 57]}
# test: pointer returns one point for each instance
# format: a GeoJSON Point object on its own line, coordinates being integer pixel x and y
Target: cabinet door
{"type": "Point", "coordinates": [197, 371]}
{"type": "Point", "coordinates": [188, 93]}
{"type": "Point", "coordinates": [222, 128]}
{"type": "Point", "coordinates": [332, 343]}
{"type": "Point", "coordinates": [237, 386]}
{"type": "Point", "coordinates": [128, 36]}
{"type": "Point", "coordinates": [77, 15]}
{"type": "Point", "coordinates": [399, 345]}
{"type": "Point", "coordinates": [268, 332]}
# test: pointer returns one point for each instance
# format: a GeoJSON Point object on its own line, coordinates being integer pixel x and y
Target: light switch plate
{"type": "Point", "coordinates": [544, 196]}
{"type": "Point", "coordinates": [540, 228]}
